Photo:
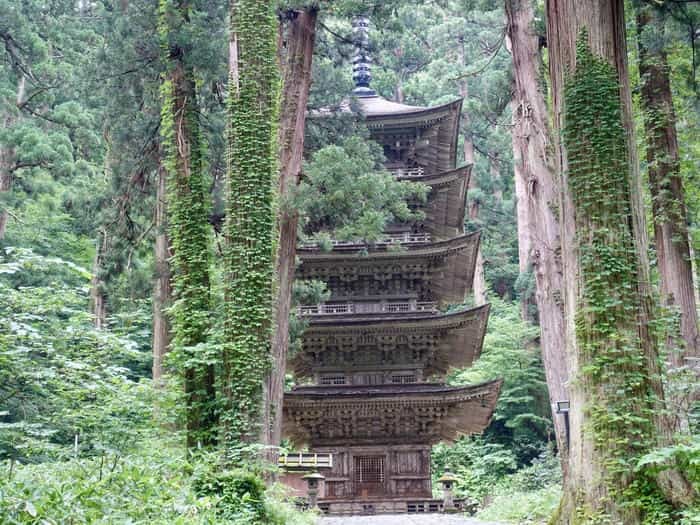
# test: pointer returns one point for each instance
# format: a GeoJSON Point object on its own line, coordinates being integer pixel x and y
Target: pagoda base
{"type": "Point", "coordinates": [353, 507]}
{"type": "Point", "coordinates": [364, 473]}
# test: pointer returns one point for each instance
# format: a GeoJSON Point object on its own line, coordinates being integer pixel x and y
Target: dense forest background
{"type": "Point", "coordinates": [91, 427]}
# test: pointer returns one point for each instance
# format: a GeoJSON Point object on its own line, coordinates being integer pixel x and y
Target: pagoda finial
{"type": "Point", "coordinates": [361, 62]}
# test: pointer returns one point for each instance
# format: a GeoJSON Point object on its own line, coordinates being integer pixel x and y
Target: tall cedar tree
{"type": "Point", "coordinates": [538, 201]}
{"type": "Point", "coordinates": [617, 406]}
{"type": "Point", "coordinates": [250, 236]}
{"type": "Point", "coordinates": [296, 48]}
{"type": "Point", "coordinates": [665, 183]}
{"type": "Point", "coordinates": [162, 286]}
{"type": "Point", "coordinates": [188, 223]}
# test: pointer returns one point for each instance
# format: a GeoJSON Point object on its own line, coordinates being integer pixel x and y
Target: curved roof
{"type": "Point", "coordinates": [444, 210]}
{"type": "Point", "coordinates": [457, 338]}
{"type": "Point", "coordinates": [445, 269]}
{"type": "Point", "coordinates": [375, 106]}
{"type": "Point", "coordinates": [415, 413]}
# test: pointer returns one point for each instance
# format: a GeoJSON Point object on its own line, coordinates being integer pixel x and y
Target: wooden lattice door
{"type": "Point", "coordinates": [368, 476]}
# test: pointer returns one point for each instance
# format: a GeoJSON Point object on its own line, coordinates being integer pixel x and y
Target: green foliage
{"type": "Point", "coordinates": [522, 417]}
{"type": "Point", "coordinates": [346, 195]}
{"type": "Point", "coordinates": [684, 455]}
{"type": "Point", "coordinates": [510, 505]}
{"type": "Point", "coordinates": [156, 485]}
{"type": "Point", "coordinates": [249, 255]}
{"type": "Point", "coordinates": [59, 377]}
{"type": "Point", "coordinates": [488, 473]}
{"type": "Point", "coordinates": [62, 380]}
{"type": "Point", "coordinates": [479, 465]}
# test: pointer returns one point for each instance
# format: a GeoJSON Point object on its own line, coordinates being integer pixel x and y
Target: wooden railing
{"type": "Point", "coordinates": [407, 172]}
{"type": "Point", "coordinates": [368, 308]}
{"type": "Point", "coordinates": [305, 460]}
{"type": "Point", "coordinates": [396, 238]}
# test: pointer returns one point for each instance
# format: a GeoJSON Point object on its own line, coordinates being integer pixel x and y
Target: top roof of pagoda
{"type": "Point", "coordinates": [377, 108]}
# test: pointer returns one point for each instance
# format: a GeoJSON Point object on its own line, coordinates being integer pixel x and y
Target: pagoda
{"type": "Point", "coordinates": [375, 355]}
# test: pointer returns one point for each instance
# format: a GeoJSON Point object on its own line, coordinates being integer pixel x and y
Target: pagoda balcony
{"type": "Point", "coordinates": [404, 238]}
{"type": "Point", "coordinates": [382, 307]}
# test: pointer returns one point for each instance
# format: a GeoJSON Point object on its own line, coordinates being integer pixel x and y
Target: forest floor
{"type": "Point", "coordinates": [404, 519]}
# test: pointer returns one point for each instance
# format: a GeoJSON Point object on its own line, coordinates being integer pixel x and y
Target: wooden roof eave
{"type": "Point", "coordinates": [444, 223]}
{"type": "Point", "coordinates": [464, 333]}
{"type": "Point", "coordinates": [469, 409]}
{"type": "Point", "coordinates": [456, 257]}
{"type": "Point", "coordinates": [352, 254]}
{"type": "Point", "coordinates": [380, 111]}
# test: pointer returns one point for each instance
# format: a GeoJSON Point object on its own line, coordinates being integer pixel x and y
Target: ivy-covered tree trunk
{"type": "Point", "coordinates": [296, 47]}
{"type": "Point", "coordinates": [538, 203]}
{"type": "Point", "coordinates": [188, 225]}
{"type": "Point", "coordinates": [616, 392]}
{"type": "Point", "coordinates": [161, 283]}
{"type": "Point", "coordinates": [250, 214]}
{"type": "Point", "coordinates": [665, 183]}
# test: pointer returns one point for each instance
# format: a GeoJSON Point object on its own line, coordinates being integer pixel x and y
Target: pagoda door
{"type": "Point", "coordinates": [368, 476]}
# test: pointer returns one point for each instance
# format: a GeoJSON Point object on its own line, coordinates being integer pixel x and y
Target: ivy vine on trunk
{"type": "Point", "coordinates": [188, 226]}
{"type": "Point", "coordinates": [250, 233]}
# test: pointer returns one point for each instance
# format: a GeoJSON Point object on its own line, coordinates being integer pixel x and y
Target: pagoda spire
{"type": "Point", "coordinates": [361, 62]}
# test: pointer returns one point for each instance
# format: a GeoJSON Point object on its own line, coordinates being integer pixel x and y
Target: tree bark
{"type": "Point", "coordinates": [495, 171]}
{"type": "Point", "coordinates": [98, 298]}
{"type": "Point", "coordinates": [161, 284]}
{"type": "Point", "coordinates": [479, 280]}
{"type": "Point", "coordinates": [7, 157]}
{"type": "Point", "coordinates": [297, 35]}
{"type": "Point", "coordinates": [538, 203]}
{"type": "Point", "coordinates": [666, 186]}
{"type": "Point", "coordinates": [616, 405]}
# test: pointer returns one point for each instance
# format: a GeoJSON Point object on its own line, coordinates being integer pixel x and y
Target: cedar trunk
{"type": "Point", "coordinates": [98, 298]}
{"type": "Point", "coordinates": [666, 186]}
{"type": "Point", "coordinates": [596, 483]}
{"type": "Point", "coordinates": [250, 221]}
{"type": "Point", "coordinates": [193, 271]}
{"type": "Point", "coordinates": [161, 284]}
{"type": "Point", "coordinates": [6, 156]}
{"type": "Point", "coordinates": [479, 284]}
{"type": "Point", "coordinates": [296, 45]}
{"type": "Point", "coordinates": [538, 202]}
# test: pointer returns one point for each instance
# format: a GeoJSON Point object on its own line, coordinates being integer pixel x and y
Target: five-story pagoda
{"type": "Point", "coordinates": [377, 352]}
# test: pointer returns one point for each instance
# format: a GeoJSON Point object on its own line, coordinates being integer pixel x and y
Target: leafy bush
{"type": "Point", "coordinates": [522, 507]}
{"type": "Point", "coordinates": [151, 487]}
{"type": "Point", "coordinates": [61, 380]}
{"type": "Point", "coordinates": [478, 465]}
